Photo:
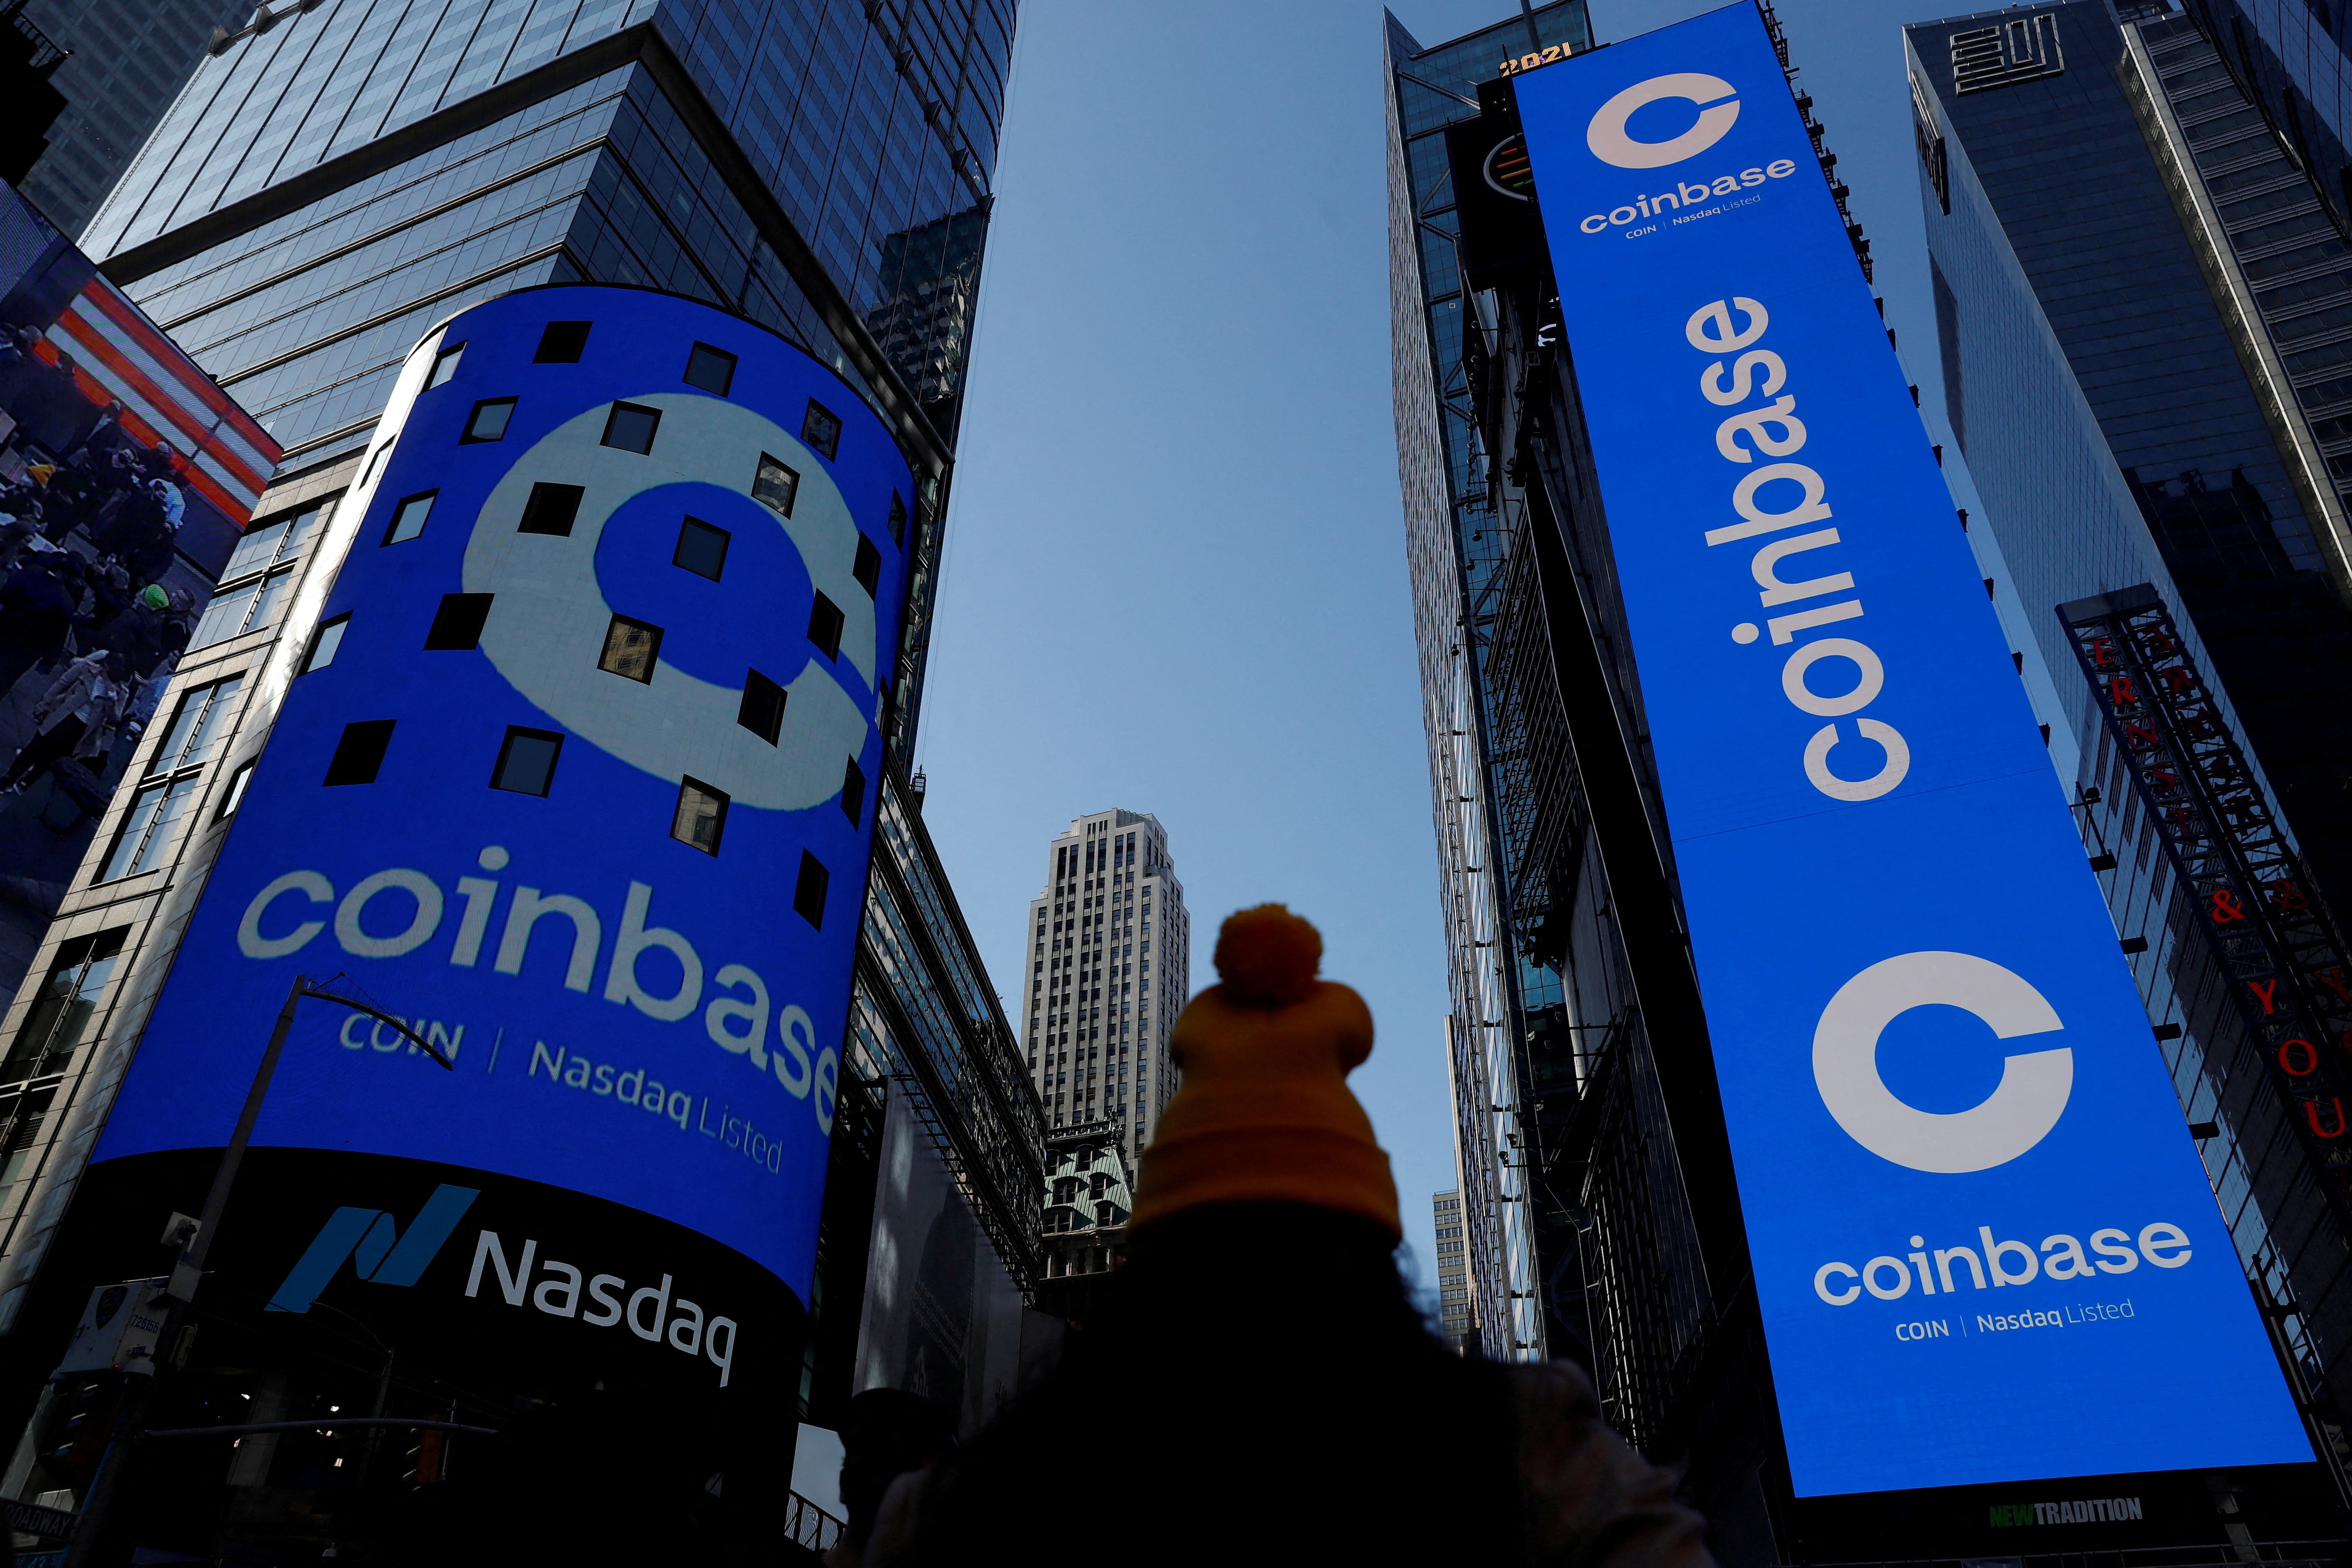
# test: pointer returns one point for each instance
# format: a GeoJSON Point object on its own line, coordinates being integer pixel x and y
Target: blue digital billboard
{"type": "Point", "coordinates": [577, 775]}
{"type": "Point", "coordinates": [1985, 1248]}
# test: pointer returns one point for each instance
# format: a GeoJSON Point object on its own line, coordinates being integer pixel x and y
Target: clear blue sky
{"type": "Point", "coordinates": [1175, 577]}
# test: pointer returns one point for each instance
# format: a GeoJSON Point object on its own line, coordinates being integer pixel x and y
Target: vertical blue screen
{"type": "Point", "coordinates": [1984, 1246]}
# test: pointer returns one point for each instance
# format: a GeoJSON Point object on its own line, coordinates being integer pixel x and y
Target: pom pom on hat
{"type": "Point", "coordinates": [1267, 957]}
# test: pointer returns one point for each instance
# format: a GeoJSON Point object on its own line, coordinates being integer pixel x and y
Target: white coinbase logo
{"type": "Point", "coordinates": [2020, 1112]}
{"type": "Point", "coordinates": [1611, 143]}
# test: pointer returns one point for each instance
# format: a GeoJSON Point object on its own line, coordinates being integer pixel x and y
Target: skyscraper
{"type": "Point", "coordinates": [1110, 961]}
{"type": "Point", "coordinates": [127, 61]}
{"type": "Point", "coordinates": [2150, 391]}
{"type": "Point", "coordinates": [342, 176]}
{"type": "Point", "coordinates": [1453, 1308]}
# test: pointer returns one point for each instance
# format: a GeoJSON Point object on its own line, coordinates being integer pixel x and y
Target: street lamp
{"type": "Point", "coordinates": [188, 1272]}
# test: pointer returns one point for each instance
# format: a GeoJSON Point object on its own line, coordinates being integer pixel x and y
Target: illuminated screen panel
{"type": "Point", "coordinates": [1984, 1246]}
{"type": "Point", "coordinates": [583, 787]}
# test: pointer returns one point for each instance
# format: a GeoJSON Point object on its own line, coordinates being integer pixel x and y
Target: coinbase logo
{"type": "Point", "coordinates": [2021, 1109]}
{"type": "Point", "coordinates": [1611, 143]}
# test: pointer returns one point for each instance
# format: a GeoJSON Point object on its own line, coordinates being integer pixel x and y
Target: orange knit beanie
{"type": "Point", "coordinates": [1264, 1114]}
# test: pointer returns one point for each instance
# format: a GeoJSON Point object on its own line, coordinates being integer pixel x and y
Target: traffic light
{"type": "Point", "coordinates": [79, 1422]}
{"type": "Point", "coordinates": [428, 1458]}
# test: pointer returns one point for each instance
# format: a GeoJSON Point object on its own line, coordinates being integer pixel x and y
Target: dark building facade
{"type": "Point", "coordinates": [2147, 389]}
{"type": "Point", "coordinates": [125, 61]}
{"type": "Point", "coordinates": [339, 177]}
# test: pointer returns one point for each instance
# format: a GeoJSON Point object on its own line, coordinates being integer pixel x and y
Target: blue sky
{"type": "Point", "coordinates": [1175, 576]}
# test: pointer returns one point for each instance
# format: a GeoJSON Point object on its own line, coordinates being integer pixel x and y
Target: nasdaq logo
{"type": "Point", "coordinates": [1611, 142]}
{"type": "Point", "coordinates": [378, 1248]}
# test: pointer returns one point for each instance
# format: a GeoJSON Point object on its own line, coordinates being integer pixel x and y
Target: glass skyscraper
{"type": "Point", "coordinates": [127, 61]}
{"type": "Point", "coordinates": [2149, 388]}
{"type": "Point", "coordinates": [339, 175]}
{"type": "Point", "coordinates": [344, 173]}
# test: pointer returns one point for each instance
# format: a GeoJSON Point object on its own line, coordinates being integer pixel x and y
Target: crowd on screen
{"type": "Point", "coordinates": [87, 622]}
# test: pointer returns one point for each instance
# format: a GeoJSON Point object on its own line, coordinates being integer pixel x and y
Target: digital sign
{"type": "Point", "coordinates": [577, 776]}
{"type": "Point", "coordinates": [1985, 1246]}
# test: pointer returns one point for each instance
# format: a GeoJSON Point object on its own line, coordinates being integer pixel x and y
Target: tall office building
{"type": "Point", "coordinates": [339, 178]}
{"type": "Point", "coordinates": [1453, 1309]}
{"type": "Point", "coordinates": [2153, 393]}
{"type": "Point", "coordinates": [1110, 959]}
{"type": "Point", "coordinates": [1598, 1215]}
{"type": "Point", "coordinates": [126, 60]}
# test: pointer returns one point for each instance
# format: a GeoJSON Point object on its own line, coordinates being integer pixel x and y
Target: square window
{"type": "Point", "coordinates": [359, 755]}
{"type": "Point", "coordinates": [867, 569]}
{"type": "Point", "coordinates": [762, 712]}
{"type": "Point", "coordinates": [631, 648]}
{"type": "Point", "coordinates": [701, 815]}
{"type": "Point", "coordinates": [808, 893]}
{"type": "Point", "coordinates": [561, 343]}
{"type": "Point", "coordinates": [458, 623]}
{"type": "Point", "coordinates": [526, 762]}
{"type": "Point", "coordinates": [375, 464]}
{"type": "Point", "coordinates": [701, 547]}
{"type": "Point", "coordinates": [821, 430]}
{"type": "Point", "coordinates": [324, 644]}
{"type": "Point", "coordinates": [824, 626]}
{"type": "Point", "coordinates": [897, 520]}
{"type": "Point", "coordinates": [630, 427]}
{"type": "Point", "coordinates": [444, 366]}
{"type": "Point", "coordinates": [236, 791]}
{"type": "Point", "coordinates": [852, 793]}
{"type": "Point", "coordinates": [710, 370]}
{"type": "Point", "coordinates": [488, 421]}
{"type": "Point", "coordinates": [408, 518]}
{"type": "Point", "coordinates": [775, 485]}
{"type": "Point", "coordinates": [551, 509]}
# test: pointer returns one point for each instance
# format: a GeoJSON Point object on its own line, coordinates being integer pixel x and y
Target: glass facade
{"type": "Point", "coordinates": [2116, 429]}
{"type": "Point", "coordinates": [299, 215]}
{"type": "Point", "coordinates": [128, 60]}
{"type": "Point", "coordinates": [1457, 554]}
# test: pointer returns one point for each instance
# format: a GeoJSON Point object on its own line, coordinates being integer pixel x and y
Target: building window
{"type": "Point", "coordinates": [197, 726]}
{"type": "Point", "coordinates": [458, 623]}
{"type": "Point", "coordinates": [146, 830]}
{"type": "Point", "coordinates": [762, 712]}
{"type": "Point", "coordinates": [551, 509]}
{"type": "Point", "coordinates": [821, 430]}
{"type": "Point", "coordinates": [824, 626]}
{"type": "Point", "coordinates": [709, 369]}
{"type": "Point", "coordinates": [775, 485]}
{"type": "Point", "coordinates": [526, 764]}
{"type": "Point", "coordinates": [444, 366]}
{"type": "Point", "coordinates": [701, 547]}
{"type": "Point", "coordinates": [235, 795]}
{"type": "Point", "coordinates": [562, 343]}
{"type": "Point", "coordinates": [897, 520]}
{"type": "Point", "coordinates": [324, 644]}
{"type": "Point", "coordinates": [852, 793]}
{"type": "Point", "coordinates": [359, 755]}
{"type": "Point", "coordinates": [409, 517]}
{"type": "Point", "coordinates": [630, 427]}
{"type": "Point", "coordinates": [701, 815]}
{"type": "Point", "coordinates": [488, 421]}
{"type": "Point", "coordinates": [632, 647]}
{"type": "Point", "coordinates": [867, 569]}
{"type": "Point", "coordinates": [60, 1016]}
{"type": "Point", "coordinates": [254, 583]}
{"type": "Point", "coordinates": [808, 893]}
